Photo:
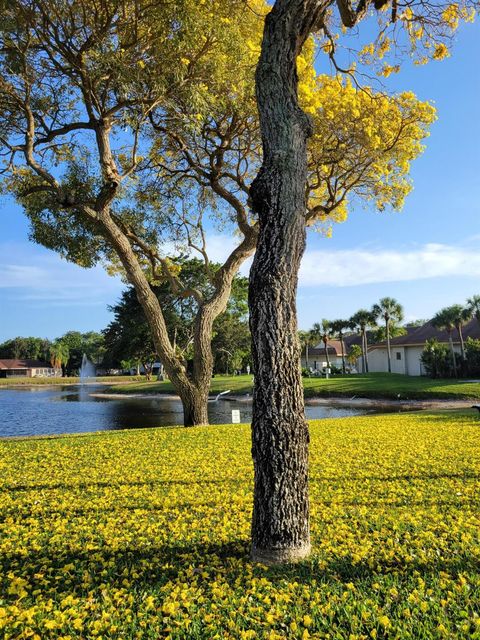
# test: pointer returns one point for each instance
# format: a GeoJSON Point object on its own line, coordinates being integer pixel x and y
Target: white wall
{"type": "Point", "coordinates": [413, 362]}
{"type": "Point", "coordinates": [377, 361]}
{"type": "Point", "coordinates": [398, 360]}
{"type": "Point", "coordinates": [409, 363]}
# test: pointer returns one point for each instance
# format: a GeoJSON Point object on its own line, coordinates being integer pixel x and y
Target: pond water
{"type": "Point", "coordinates": [73, 409]}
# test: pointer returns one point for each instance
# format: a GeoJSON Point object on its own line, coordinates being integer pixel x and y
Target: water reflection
{"type": "Point", "coordinates": [67, 409]}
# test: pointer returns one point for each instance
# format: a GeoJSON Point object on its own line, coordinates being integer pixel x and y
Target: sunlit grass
{"type": "Point", "coordinates": [373, 385]}
{"type": "Point", "coordinates": [144, 534]}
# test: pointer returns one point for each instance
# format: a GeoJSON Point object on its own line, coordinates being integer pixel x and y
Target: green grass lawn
{"type": "Point", "coordinates": [373, 385]}
{"type": "Point", "coordinates": [145, 534]}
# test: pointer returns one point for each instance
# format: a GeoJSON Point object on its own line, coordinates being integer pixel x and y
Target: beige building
{"type": "Point", "coordinates": [406, 351]}
{"type": "Point", "coordinates": [27, 368]}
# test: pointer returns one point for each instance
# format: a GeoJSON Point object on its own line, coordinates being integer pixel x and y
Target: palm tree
{"type": "Point", "coordinates": [473, 307]}
{"type": "Point", "coordinates": [338, 327]}
{"type": "Point", "coordinates": [391, 311]}
{"type": "Point", "coordinates": [59, 353]}
{"type": "Point", "coordinates": [461, 316]}
{"type": "Point", "coordinates": [310, 338]}
{"type": "Point", "coordinates": [362, 320]}
{"type": "Point", "coordinates": [323, 329]}
{"type": "Point", "coordinates": [354, 354]}
{"type": "Point", "coordinates": [445, 320]}
{"type": "Point", "coordinates": [305, 338]}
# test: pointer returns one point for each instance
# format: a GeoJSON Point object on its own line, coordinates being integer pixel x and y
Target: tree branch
{"type": "Point", "coordinates": [349, 15]}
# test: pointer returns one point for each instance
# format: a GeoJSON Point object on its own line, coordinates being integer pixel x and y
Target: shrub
{"type": "Point", "coordinates": [437, 359]}
{"type": "Point", "coordinates": [472, 354]}
{"type": "Point", "coordinates": [334, 370]}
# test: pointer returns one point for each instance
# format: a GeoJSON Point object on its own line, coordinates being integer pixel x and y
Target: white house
{"type": "Point", "coordinates": [10, 368]}
{"type": "Point", "coordinates": [317, 359]}
{"type": "Point", "coordinates": [406, 350]}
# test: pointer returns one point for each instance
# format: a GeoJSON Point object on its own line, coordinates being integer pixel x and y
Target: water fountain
{"type": "Point", "coordinates": [87, 370]}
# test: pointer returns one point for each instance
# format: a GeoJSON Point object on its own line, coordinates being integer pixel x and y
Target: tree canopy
{"type": "Point", "coordinates": [20, 348]}
{"type": "Point", "coordinates": [94, 111]}
{"type": "Point", "coordinates": [129, 337]}
{"type": "Point", "coordinates": [129, 131]}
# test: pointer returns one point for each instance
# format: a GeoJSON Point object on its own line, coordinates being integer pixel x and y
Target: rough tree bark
{"type": "Point", "coordinates": [280, 523]}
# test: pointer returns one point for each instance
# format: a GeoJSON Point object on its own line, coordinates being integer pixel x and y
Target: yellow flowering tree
{"type": "Point", "coordinates": [134, 126]}
{"type": "Point", "coordinates": [80, 90]}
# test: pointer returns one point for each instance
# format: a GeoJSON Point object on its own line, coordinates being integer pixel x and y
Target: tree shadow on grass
{"type": "Point", "coordinates": [223, 481]}
{"type": "Point", "coordinates": [113, 484]}
{"type": "Point", "coordinates": [26, 513]}
{"type": "Point", "coordinates": [409, 477]}
{"type": "Point", "coordinates": [150, 568]}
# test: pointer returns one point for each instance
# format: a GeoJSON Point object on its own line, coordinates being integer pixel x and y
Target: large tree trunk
{"type": "Point", "coordinates": [280, 526]}
{"type": "Point", "coordinates": [195, 405]}
{"type": "Point", "coordinates": [280, 523]}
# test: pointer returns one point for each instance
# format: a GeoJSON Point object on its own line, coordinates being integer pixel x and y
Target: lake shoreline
{"type": "Point", "coordinates": [332, 401]}
{"type": "Point", "coordinates": [63, 383]}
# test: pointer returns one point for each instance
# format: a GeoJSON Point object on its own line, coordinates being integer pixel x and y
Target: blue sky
{"type": "Point", "coordinates": [426, 256]}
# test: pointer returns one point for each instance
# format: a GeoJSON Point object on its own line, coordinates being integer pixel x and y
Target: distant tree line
{"type": "Point", "coordinates": [128, 338]}
{"type": "Point", "coordinates": [63, 353]}
{"type": "Point", "coordinates": [127, 342]}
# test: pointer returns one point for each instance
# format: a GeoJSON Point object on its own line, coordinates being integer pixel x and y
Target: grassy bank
{"type": "Point", "coordinates": [29, 382]}
{"type": "Point", "coordinates": [144, 534]}
{"type": "Point", "coordinates": [373, 385]}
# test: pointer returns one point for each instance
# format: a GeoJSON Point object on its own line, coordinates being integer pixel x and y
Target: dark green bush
{"type": "Point", "coordinates": [437, 359]}
{"type": "Point", "coordinates": [472, 354]}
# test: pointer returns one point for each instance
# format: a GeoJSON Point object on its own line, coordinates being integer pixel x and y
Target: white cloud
{"type": "Point", "coordinates": [38, 277]}
{"type": "Point", "coordinates": [19, 275]}
{"type": "Point", "coordinates": [355, 267]}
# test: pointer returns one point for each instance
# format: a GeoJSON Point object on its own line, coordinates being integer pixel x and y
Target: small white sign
{"type": "Point", "coordinates": [235, 416]}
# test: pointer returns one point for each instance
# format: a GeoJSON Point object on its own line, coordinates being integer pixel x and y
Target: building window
{"type": "Point", "coordinates": [399, 355]}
